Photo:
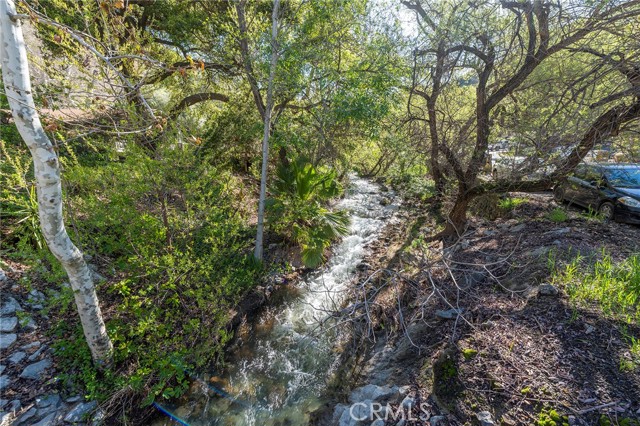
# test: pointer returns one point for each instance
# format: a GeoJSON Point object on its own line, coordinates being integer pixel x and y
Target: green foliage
{"type": "Point", "coordinates": [469, 353]}
{"type": "Point", "coordinates": [551, 418]}
{"type": "Point", "coordinates": [558, 215]}
{"type": "Point", "coordinates": [613, 286]}
{"type": "Point", "coordinates": [631, 362]}
{"type": "Point", "coordinates": [593, 215]}
{"type": "Point", "coordinates": [297, 210]}
{"type": "Point", "coordinates": [178, 249]}
{"type": "Point", "coordinates": [18, 200]}
{"type": "Point", "coordinates": [509, 203]}
{"type": "Point", "coordinates": [491, 206]}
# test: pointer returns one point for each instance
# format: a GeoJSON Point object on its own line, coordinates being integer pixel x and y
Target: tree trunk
{"type": "Point", "coordinates": [15, 74]}
{"type": "Point", "coordinates": [436, 172]}
{"type": "Point", "coordinates": [457, 217]}
{"type": "Point", "coordinates": [267, 130]}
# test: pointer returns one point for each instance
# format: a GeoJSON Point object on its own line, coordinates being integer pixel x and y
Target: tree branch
{"type": "Point", "coordinates": [194, 99]}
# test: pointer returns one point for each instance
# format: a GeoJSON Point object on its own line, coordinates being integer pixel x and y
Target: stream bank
{"type": "Point", "coordinates": [278, 372]}
{"type": "Point", "coordinates": [488, 337]}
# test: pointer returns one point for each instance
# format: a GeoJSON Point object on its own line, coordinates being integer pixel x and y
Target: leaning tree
{"type": "Point", "coordinates": [477, 59]}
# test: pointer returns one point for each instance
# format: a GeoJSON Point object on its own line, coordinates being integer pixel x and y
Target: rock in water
{"type": "Point", "coordinates": [374, 393]}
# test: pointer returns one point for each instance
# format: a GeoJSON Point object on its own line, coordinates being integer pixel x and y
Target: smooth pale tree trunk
{"type": "Point", "coordinates": [17, 84]}
{"type": "Point", "coordinates": [267, 130]}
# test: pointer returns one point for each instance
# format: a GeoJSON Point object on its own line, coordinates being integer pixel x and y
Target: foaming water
{"type": "Point", "coordinates": [280, 371]}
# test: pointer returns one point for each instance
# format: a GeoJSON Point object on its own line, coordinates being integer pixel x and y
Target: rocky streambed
{"type": "Point", "coordinates": [28, 375]}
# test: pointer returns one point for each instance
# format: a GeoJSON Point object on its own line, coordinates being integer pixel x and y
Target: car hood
{"type": "Point", "coordinates": [632, 192]}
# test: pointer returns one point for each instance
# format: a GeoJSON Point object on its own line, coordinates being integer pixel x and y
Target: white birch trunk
{"type": "Point", "coordinates": [267, 130]}
{"type": "Point", "coordinates": [17, 84]}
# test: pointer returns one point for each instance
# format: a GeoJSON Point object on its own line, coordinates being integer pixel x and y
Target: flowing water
{"type": "Point", "coordinates": [278, 374]}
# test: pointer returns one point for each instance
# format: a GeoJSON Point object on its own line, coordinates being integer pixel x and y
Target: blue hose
{"type": "Point", "coordinates": [170, 414]}
{"type": "Point", "coordinates": [222, 393]}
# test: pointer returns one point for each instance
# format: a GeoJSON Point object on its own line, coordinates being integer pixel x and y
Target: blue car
{"type": "Point", "coordinates": [613, 190]}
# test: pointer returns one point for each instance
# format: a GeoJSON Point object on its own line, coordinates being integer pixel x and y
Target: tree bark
{"type": "Point", "coordinates": [17, 84]}
{"type": "Point", "coordinates": [267, 130]}
{"type": "Point", "coordinates": [457, 217]}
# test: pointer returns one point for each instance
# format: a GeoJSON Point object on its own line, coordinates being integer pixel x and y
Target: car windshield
{"type": "Point", "coordinates": [624, 177]}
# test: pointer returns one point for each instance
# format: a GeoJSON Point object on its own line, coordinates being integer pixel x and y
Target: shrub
{"type": "Point", "coordinates": [558, 215]}
{"type": "Point", "coordinates": [508, 204]}
{"type": "Point", "coordinates": [297, 209]}
{"type": "Point", "coordinates": [487, 206]}
{"type": "Point", "coordinates": [18, 201]}
{"type": "Point", "coordinates": [180, 259]}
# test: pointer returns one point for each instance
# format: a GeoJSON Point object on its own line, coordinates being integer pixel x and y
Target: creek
{"type": "Point", "coordinates": [278, 375]}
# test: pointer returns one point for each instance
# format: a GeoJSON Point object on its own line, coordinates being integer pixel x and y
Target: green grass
{"type": "Point", "coordinates": [613, 286]}
{"type": "Point", "coordinates": [558, 215]}
{"type": "Point", "coordinates": [592, 214]}
{"type": "Point", "coordinates": [508, 204]}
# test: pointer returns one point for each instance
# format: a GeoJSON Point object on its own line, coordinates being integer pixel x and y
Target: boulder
{"type": "Point", "coordinates": [48, 420]}
{"type": "Point", "coordinates": [359, 414]}
{"type": "Point", "coordinates": [30, 346]}
{"type": "Point", "coordinates": [28, 324]}
{"type": "Point", "coordinates": [338, 411]}
{"type": "Point", "coordinates": [4, 381]}
{"type": "Point", "coordinates": [374, 393]}
{"type": "Point", "coordinates": [15, 405]}
{"type": "Point", "coordinates": [436, 420]}
{"type": "Point", "coordinates": [34, 371]}
{"type": "Point", "coordinates": [10, 306]}
{"type": "Point", "coordinates": [8, 324]}
{"type": "Point", "coordinates": [6, 340]}
{"type": "Point", "coordinates": [518, 228]}
{"type": "Point", "coordinates": [36, 296]}
{"type": "Point", "coordinates": [16, 357]}
{"type": "Point", "coordinates": [449, 313]}
{"type": "Point", "coordinates": [547, 290]}
{"type": "Point", "coordinates": [26, 416]}
{"type": "Point", "coordinates": [558, 232]}
{"type": "Point", "coordinates": [473, 278]}
{"type": "Point", "coordinates": [408, 402]}
{"type": "Point", "coordinates": [37, 353]}
{"type": "Point", "coordinates": [80, 412]}
{"type": "Point", "coordinates": [48, 401]}
{"type": "Point", "coordinates": [485, 418]}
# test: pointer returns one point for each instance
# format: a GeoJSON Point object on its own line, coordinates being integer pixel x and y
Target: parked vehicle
{"type": "Point", "coordinates": [613, 190]}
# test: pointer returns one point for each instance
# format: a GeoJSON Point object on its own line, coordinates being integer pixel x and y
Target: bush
{"type": "Point", "coordinates": [297, 208]}
{"type": "Point", "coordinates": [558, 215]}
{"type": "Point", "coordinates": [487, 206]}
{"type": "Point", "coordinates": [179, 256]}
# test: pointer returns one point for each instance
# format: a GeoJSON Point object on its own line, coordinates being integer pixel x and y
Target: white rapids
{"type": "Point", "coordinates": [280, 371]}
